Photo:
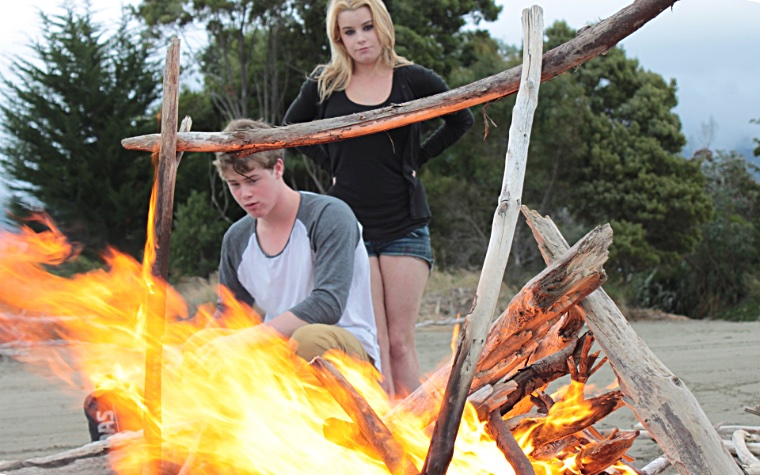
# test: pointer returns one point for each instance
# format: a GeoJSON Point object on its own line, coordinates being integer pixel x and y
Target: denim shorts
{"type": "Point", "coordinates": [414, 244]}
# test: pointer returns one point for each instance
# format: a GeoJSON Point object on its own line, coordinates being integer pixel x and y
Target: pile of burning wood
{"type": "Point", "coordinates": [538, 340]}
{"type": "Point", "coordinates": [534, 342]}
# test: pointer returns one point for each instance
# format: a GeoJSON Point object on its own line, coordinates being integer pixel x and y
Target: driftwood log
{"type": "Point", "coordinates": [662, 403]}
{"type": "Point", "coordinates": [749, 462]}
{"type": "Point", "coordinates": [656, 466]}
{"type": "Point", "coordinates": [597, 456]}
{"type": "Point", "coordinates": [588, 44]}
{"type": "Point", "coordinates": [475, 328]}
{"type": "Point", "coordinates": [600, 407]}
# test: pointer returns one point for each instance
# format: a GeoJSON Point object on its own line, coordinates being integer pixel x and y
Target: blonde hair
{"type": "Point", "coordinates": [245, 164]}
{"type": "Point", "coordinates": [335, 75]}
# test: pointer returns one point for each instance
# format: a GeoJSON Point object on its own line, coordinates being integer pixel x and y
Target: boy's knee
{"type": "Point", "coordinates": [310, 341]}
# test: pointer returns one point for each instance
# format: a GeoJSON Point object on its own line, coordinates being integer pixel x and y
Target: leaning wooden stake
{"type": "Point", "coordinates": [589, 43]}
{"type": "Point", "coordinates": [371, 426]}
{"type": "Point", "coordinates": [662, 403]}
{"type": "Point", "coordinates": [477, 322]}
{"type": "Point", "coordinates": [160, 228]}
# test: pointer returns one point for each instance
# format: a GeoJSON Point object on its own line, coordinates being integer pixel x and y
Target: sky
{"type": "Point", "coordinates": [710, 47]}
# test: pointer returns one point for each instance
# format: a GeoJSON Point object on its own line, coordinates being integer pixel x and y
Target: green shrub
{"type": "Point", "coordinates": [197, 237]}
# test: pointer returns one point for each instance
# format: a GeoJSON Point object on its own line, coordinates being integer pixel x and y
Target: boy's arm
{"type": "Point", "coordinates": [334, 234]}
{"type": "Point", "coordinates": [285, 324]}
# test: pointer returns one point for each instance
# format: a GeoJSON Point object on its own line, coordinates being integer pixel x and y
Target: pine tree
{"type": "Point", "coordinates": [65, 112]}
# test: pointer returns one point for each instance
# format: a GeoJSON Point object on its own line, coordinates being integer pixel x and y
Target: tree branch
{"type": "Point", "coordinates": [589, 43]}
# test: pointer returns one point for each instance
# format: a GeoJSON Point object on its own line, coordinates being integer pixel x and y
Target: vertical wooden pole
{"type": "Point", "coordinates": [477, 322]}
{"type": "Point", "coordinates": [166, 171]}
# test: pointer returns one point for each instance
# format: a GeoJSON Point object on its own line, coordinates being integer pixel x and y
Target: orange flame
{"type": "Point", "coordinates": [257, 410]}
{"type": "Point", "coordinates": [260, 411]}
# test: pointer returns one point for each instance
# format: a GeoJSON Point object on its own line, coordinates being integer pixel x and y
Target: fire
{"type": "Point", "coordinates": [570, 406]}
{"type": "Point", "coordinates": [261, 410]}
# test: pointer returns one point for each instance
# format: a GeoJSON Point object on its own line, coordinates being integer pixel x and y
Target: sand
{"type": "Point", "coordinates": [718, 361]}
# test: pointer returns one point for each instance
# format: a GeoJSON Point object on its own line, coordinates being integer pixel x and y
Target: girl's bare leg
{"type": "Point", "coordinates": [403, 283]}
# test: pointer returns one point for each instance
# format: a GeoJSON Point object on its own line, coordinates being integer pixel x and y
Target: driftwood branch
{"type": "Point", "coordinates": [598, 408]}
{"type": "Point", "coordinates": [750, 463]}
{"type": "Point", "coordinates": [537, 307]}
{"type": "Point", "coordinates": [563, 333]}
{"type": "Point", "coordinates": [596, 457]}
{"type": "Point", "coordinates": [660, 400]}
{"type": "Point", "coordinates": [163, 191]}
{"type": "Point", "coordinates": [476, 323]}
{"type": "Point", "coordinates": [656, 466]}
{"type": "Point", "coordinates": [371, 426]}
{"type": "Point", "coordinates": [753, 448]}
{"type": "Point", "coordinates": [531, 378]}
{"type": "Point", "coordinates": [589, 43]}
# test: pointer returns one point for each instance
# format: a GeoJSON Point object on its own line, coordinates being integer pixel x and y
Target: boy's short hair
{"type": "Point", "coordinates": [266, 159]}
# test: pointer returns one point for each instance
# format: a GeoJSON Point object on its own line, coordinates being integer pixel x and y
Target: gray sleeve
{"type": "Point", "coordinates": [233, 245]}
{"type": "Point", "coordinates": [334, 235]}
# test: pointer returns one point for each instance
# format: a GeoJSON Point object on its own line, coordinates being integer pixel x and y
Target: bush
{"type": "Point", "coordinates": [197, 237]}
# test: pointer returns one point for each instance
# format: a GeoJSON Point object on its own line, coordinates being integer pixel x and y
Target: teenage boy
{"type": "Point", "coordinates": [299, 256]}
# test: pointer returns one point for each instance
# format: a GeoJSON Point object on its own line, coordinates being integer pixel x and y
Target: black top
{"type": "Point", "coordinates": [368, 173]}
{"type": "Point", "coordinates": [377, 174]}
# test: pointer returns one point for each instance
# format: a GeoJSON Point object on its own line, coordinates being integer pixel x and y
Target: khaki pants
{"type": "Point", "coordinates": [315, 339]}
{"type": "Point", "coordinates": [307, 342]}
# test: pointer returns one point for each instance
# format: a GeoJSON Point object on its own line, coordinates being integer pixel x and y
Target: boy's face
{"type": "Point", "coordinates": [255, 191]}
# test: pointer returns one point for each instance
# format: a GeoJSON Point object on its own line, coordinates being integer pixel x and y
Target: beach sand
{"type": "Point", "coordinates": [718, 362]}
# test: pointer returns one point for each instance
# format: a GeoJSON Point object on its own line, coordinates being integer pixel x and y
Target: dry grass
{"type": "Point", "coordinates": [449, 295]}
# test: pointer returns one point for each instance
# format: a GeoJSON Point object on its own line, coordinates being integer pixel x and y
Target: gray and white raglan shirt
{"type": "Point", "coordinates": [322, 274]}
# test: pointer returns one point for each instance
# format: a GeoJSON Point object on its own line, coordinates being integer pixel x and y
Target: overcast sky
{"type": "Point", "coordinates": [710, 47]}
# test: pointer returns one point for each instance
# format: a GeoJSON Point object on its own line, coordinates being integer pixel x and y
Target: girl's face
{"type": "Point", "coordinates": [358, 35]}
